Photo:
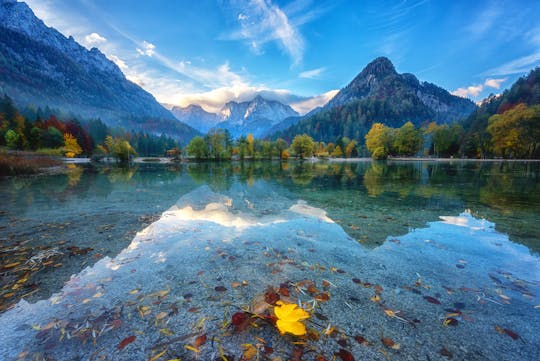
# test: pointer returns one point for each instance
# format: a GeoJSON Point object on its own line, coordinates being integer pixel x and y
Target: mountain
{"type": "Point", "coordinates": [196, 117]}
{"type": "Point", "coordinates": [380, 94]}
{"type": "Point", "coordinates": [256, 116]}
{"type": "Point", "coordinates": [525, 90]}
{"type": "Point", "coordinates": [41, 67]}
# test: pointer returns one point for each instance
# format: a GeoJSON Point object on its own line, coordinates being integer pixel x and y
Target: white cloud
{"type": "Point", "coordinates": [312, 74]}
{"type": "Point", "coordinates": [94, 39]}
{"type": "Point", "coordinates": [306, 105]}
{"type": "Point", "coordinates": [213, 100]}
{"type": "Point", "coordinates": [121, 64]}
{"type": "Point", "coordinates": [148, 49]}
{"type": "Point", "coordinates": [516, 66]}
{"type": "Point", "coordinates": [473, 90]}
{"type": "Point", "coordinates": [262, 22]}
{"type": "Point", "coordinates": [494, 83]}
{"type": "Point", "coordinates": [485, 20]}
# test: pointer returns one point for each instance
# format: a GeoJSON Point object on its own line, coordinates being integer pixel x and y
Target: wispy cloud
{"type": "Point", "coordinates": [262, 22]}
{"type": "Point", "coordinates": [516, 66]}
{"type": "Point", "coordinates": [312, 74]}
{"type": "Point", "coordinates": [485, 20]}
{"type": "Point", "coordinates": [475, 90]}
{"type": "Point", "coordinates": [310, 103]}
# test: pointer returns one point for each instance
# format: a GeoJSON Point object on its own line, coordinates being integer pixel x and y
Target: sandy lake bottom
{"type": "Point", "coordinates": [185, 285]}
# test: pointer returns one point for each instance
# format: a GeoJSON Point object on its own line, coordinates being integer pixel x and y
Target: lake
{"type": "Point", "coordinates": [397, 260]}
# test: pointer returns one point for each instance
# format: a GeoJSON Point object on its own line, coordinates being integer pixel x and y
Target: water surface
{"type": "Point", "coordinates": [420, 253]}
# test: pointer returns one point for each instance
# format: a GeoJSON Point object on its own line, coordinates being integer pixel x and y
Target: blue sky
{"type": "Point", "coordinates": [301, 52]}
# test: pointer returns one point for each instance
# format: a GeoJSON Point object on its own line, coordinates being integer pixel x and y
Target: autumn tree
{"type": "Point", "coordinates": [118, 148]}
{"type": "Point", "coordinates": [516, 132]}
{"type": "Point", "coordinates": [250, 145]}
{"type": "Point", "coordinates": [337, 152]}
{"type": "Point", "coordinates": [379, 141]}
{"type": "Point", "coordinates": [408, 140]}
{"type": "Point", "coordinates": [302, 146]}
{"type": "Point", "coordinates": [71, 147]}
{"type": "Point", "coordinates": [351, 150]}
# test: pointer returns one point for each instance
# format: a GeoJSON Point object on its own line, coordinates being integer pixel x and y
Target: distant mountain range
{"type": "Point", "coordinates": [380, 94]}
{"type": "Point", "coordinates": [41, 67]}
{"type": "Point", "coordinates": [255, 117]}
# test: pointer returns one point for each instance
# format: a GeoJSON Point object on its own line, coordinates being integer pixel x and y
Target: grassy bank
{"type": "Point", "coordinates": [21, 163]}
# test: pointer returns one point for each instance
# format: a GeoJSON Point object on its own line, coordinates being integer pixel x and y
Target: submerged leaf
{"type": "Point", "coordinates": [511, 333]}
{"type": "Point", "coordinates": [289, 316]}
{"type": "Point", "coordinates": [432, 300]}
{"type": "Point", "coordinates": [200, 340]}
{"type": "Point", "coordinates": [388, 342]}
{"type": "Point", "coordinates": [270, 296]}
{"type": "Point", "coordinates": [361, 340]}
{"type": "Point", "coordinates": [154, 358]}
{"type": "Point", "coordinates": [345, 355]}
{"type": "Point", "coordinates": [450, 321]}
{"type": "Point", "coordinates": [126, 342]}
{"type": "Point", "coordinates": [249, 352]}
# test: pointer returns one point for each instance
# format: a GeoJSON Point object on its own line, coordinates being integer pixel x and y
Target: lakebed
{"type": "Point", "coordinates": [391, 262]}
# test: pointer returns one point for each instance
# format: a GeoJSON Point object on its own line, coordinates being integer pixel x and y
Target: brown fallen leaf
{"type": "Point", "coordinates": [344, 355]}
{"type": "Point", "coordinates": [297, 353]}
{"type": "Point", "coordinates": [450, 321]}
{"type": "Point", "coordinates": [511, 333]}
{"type": "Point", "coordinates": [249, 352]}
{"type": "Point", "coordinates": [200, 340]}
{"type": "Point", "coordinates": [361, 340]}
{"type": "Point", "coordinates": [271, 296]}
{"type": "Point", "coordinates": [432, 300]}
{"type": "Point", "coordinates": [240, 321]}
{"type": "Point", "coordinates": [220, 288]}
{"type": "Point", "coordinates": [388, 342]}
{"type": "Point", "coordinates": [126, 342]}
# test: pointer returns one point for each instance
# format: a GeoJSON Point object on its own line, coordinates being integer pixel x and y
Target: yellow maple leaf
{"type": "Point", "coordinates": [289, 316]}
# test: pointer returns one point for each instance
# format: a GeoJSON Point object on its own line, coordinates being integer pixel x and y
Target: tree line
{"type": "Point", "coordinates": [41, 131]}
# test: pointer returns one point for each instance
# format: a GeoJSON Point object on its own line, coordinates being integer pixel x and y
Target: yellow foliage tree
{"type": "Point", "coordinates": [337, 152]}
{"type": "Point", "coordinates": [250, 145]}
{"type": "Point", "coordinates": [71, 147]}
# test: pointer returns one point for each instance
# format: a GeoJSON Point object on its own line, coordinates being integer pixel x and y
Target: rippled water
{"type": "Point", "coordinates": [404, 260]}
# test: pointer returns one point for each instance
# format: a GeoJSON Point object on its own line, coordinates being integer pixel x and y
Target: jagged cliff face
{"type": "Point", "coordinates": [379, 79]}
{"type": "Point", "coordinates": [196, 117]}
{"type": "Point", "coordinates": [255, 117]}
{"type": "Point", "coordinates": [379, 94]}
{"type": "Point", "coordinates": [41, 67]}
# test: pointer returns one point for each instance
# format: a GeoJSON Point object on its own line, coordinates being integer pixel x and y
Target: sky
{"type": "Point", "coordinates": [301, 52]}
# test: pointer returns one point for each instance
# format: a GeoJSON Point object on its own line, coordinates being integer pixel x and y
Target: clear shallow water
{"type": "Point", "coordinates": [368, 229]}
